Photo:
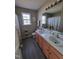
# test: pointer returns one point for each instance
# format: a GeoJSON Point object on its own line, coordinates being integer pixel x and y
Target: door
{"type": "Point", "coordinates": [17, 39]}
{"type": "Point", "coordinates": [28, 24]}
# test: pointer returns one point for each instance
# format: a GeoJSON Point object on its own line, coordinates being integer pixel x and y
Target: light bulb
{"type": "Point", "coordinates": [58, 0]}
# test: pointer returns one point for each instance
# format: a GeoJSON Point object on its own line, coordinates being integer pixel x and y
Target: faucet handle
{"type": "Point", "coordinates": [57, 35]}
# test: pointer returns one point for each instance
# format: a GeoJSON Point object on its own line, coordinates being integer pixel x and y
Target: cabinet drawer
{"type": "Point", "coordinates": [58, 54]}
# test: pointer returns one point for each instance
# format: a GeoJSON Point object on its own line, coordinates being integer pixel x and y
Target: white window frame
{"type": "Point", "coordinates": [28, 20]}
{"type": "Point", "coordinates": [43, 21]}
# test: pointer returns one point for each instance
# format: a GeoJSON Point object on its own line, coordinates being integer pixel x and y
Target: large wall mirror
{"type": "Point", "coordinates": [52, 19]}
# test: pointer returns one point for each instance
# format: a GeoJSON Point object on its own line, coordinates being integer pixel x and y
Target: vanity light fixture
{"type": "Point", "coordinates": [58, 0]}
{"type": "Point", "coordinates": [53, 4]}
{"type": "Point", "coordinates": [49, 7]}
{"type": "Point", "coordinates": [46, 8]}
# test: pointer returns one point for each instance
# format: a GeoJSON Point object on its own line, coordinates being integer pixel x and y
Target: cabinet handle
{"type": "Point", "coordinates": [47, 50]}
{"type": "Point", "coordinates": [49, 53]}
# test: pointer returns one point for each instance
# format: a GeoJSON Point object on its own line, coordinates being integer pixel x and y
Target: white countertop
{"type": "Point", "coordinates": [46, 37]}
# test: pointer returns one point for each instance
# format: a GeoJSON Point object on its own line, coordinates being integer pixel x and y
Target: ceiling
{"type": "Point", "coordinates": [30, 4]}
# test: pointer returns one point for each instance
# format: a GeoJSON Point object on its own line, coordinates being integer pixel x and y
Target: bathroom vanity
{"type": "Point", "coordinates": [51, 49]}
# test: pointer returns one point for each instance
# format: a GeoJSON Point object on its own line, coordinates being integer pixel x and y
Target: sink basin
{"type": "Point", "coordinates": [56, 41]}
{"type": "Point", "coordinates": [41, 31]}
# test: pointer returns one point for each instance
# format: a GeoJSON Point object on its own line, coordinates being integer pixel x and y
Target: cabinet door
{"type": "Point", "coordinates": [55, 57]}
{"type": "Point", "coordinates": [46, 53]}
{"type": "Point", "coordinates": [46, 49]}
{"type": "Point", "coordinates": [52, 56]}
{"type": "Point", "coordinates": [40, 41]}
{"type": "Point", "coordinates": [56, 53]}
{"type": "Point", "coordinates": [37, 37]}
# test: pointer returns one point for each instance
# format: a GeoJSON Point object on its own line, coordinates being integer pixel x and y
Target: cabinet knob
{"type": "Point", "coordinates": [47, 49]}
{"type": "Point", "coordinates": [49, 53]}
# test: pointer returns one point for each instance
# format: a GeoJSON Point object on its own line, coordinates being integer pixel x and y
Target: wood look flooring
{"type": "Point", "coordinates": [31, 50]}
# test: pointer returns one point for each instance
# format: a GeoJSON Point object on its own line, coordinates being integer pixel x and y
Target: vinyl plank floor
{"type": "Point", "coordinates": [31, 50]}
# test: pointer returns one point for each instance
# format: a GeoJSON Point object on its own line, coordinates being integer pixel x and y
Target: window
{"type": "Point", "coordinates": [26, 18]}
{"type": "Point", "coordinates": [43, 20]}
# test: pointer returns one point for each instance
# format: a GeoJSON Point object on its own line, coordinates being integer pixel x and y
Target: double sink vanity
{"type": "Point", "coordinates": [51, 43]}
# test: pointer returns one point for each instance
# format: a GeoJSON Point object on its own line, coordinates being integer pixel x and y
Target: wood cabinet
{"type": "Point", "coordinates": [41, 42]}
{"type": "Point", "coordinates": [45, 48]}
{"type": "Point", "coordinates": [53, 56]}
{"type": "Point", "coordinates": [37, 38]}
{"type": "Point", "coordinates": [49, 51]}
{"type": "Point", "coordinates": [56, 53]}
